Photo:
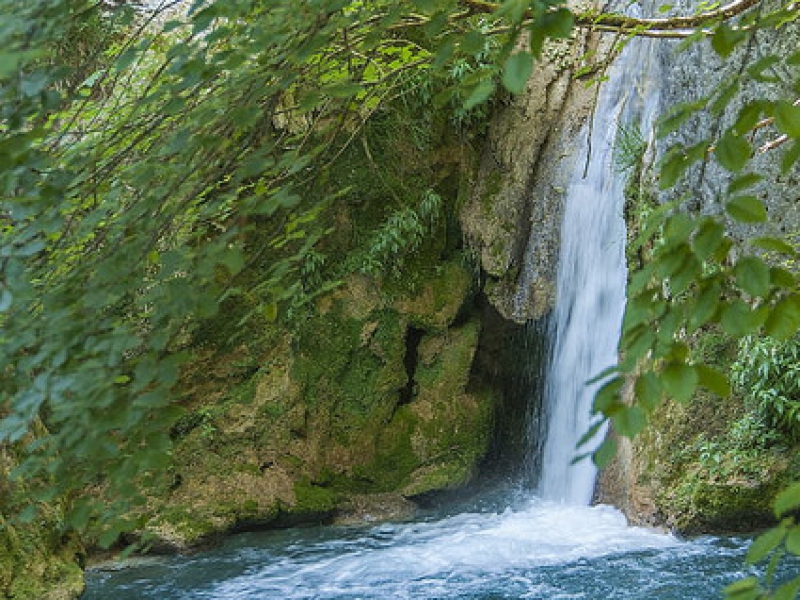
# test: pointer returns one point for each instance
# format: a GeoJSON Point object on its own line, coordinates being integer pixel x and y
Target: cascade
{"type": "Point", "coordinates": [591, 281]}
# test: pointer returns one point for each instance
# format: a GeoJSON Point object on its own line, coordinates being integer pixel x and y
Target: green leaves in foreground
{"type": "Point", "coordinates": [168, 171]}
{"type": "Point", "coordinates": [517, 70]}
{"type": "Point", "coordinates": [697, 277]}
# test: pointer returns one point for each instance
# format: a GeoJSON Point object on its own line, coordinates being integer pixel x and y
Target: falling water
{"type": "Point", "coordinates": [590, 298]}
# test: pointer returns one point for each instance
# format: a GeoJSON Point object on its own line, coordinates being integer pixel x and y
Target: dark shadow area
{"type": "Point", "coordinates": [410, 359]}
{"type": "Point", "coordinates": [510, 361]}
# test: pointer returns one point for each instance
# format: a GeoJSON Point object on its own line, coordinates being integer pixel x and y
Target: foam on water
{"type": "Point", "coordinates": [463, 551]}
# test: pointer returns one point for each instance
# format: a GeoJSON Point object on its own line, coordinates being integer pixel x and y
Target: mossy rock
{"type": "Point", "coordinates": [37, 563]}
{"type": "Point", "coordinates": [366, 396]}
{"type": "Point", "coordinates": [436, 300]}
{"type": "Point", "coordinates": [703, 476]}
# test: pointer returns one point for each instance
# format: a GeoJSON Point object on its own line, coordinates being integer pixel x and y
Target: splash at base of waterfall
{"type": "Point", "coordinates": [537, 550]}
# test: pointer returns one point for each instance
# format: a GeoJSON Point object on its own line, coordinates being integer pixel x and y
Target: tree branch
{"type": "Point", "coordinates": [679, 26]}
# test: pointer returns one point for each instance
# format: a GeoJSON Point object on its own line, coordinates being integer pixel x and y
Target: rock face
{"type": "Point", "coordinates": [513, 217]}
{"type": "Point", "coordinates": [370, 399]}
{"type": "Point", "coordinates": [708, 466]}
{"type": "Point", "coordinates": [36, 560]}
{"type": "Point", "coordinates": [696, 72]}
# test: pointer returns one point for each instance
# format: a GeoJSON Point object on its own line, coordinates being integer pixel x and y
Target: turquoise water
{"type": "Point", "coordinates": [537, 550]}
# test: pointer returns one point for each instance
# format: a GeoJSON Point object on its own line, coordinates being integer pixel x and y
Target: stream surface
{"type": "Point", "coordinates": [534, 550]}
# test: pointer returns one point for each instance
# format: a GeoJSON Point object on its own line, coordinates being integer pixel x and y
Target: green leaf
{"type": "Point", "coordinates": [591, 433]}
{"type": "Point", "coordinates": [747, 209]}
{"type": "Point", "coordinates": [739, 319]}
{"type": "Point", "coordinates": [743, 182]}
{"type": "Point", "coordinates": [725, 39]}
{"type": "Point", "coordinates": [126, 59]}
{"type": "Point", "coordinates": [678, 228]}
{"type": "Point", "coordinates": [784, 318]}
{"type": "Point", "coordinates": [793, 540]}
{"type": "Point", "coordinates": [782, 278]}
{"type": "Point", "coordinates": [732, 151]}
{"type": "Point", "coordinates": [670, 323]}
{"type": "Point", "coordinates": [604, 374]}
{"type": "Point", "coordinates": [677, 116]}
{"type": "Point", "coordinates": [233, 259]}
{"type": "Point", "coordinates": [673, 167]}
{"type": "Point", "coordinates": [713, 380]}
{"type": "Point", "coordinates": [749, 116]}
{"type": "Point", "coordinates": [764, 544]}
{"type": "Point", "coordinates": [680, 381]}
{"type": "Point", "coordinates": [708, 238]}
{"type": "Point", "coordinates": [5, 300]}
{"type": "Point", "coordinates": [790, 157]}
{"type": "Point", "coordinates": [787, 118]}
{"type": "Point", "coordinates": [473, 42]}
{"type": "Point", "coordinates": [724, 97]}
{"type": "Point", "coordinates": [629, 421]}
{"type": "Point", "coordinates": [606, 400]}
{"type": "Point", "coordinates": [752, 276]}
{"type": "Point", "coordinates": [787, 500]}
{"type": "Point", "coordinates": [688, 274]}
{"type": "Point", "coordinates": [517, 71]}
{"type": "Point", "coordinates": [648, 390]}
{"type": "Point", "coordinates": [557, 23]}
{"type": "Point", "coordinates": [480, 94]}
{"type": "Point", "coordinates": [704, 309]}
{"type": "Point", "coordinates": [774, 244]}
{"type": "Point", "coordinates": [744, 589]}
{"type": "Point", "coordinates": [605, 453]}
{"type": "Point", "coordinates": [757, 69]}
{"type": "Point", "coordinates": [788, 591]}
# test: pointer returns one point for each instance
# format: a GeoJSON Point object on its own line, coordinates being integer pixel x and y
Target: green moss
{"type": "Point", "coordinates": [436, 301]}
{"type": "Point", "coordinates": [394, 459]}
{"type": "Point", "coordinates": [35, 562]}
{"type": "Point", "coordinates": [186, 526]}
{"type": "Point", "coordinates": [444, 476]}
{"type": "Point", "coordinates": [712, 466]}
{"type": "Point", "coordinates": [313, 499]}
{"type": "Point", "coordinates": [493, 185]}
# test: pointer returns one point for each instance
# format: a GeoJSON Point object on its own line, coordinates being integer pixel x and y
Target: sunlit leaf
{"type": "Point", "coordinates": [605, 453]}
{"type": "Point", "coordinates": [725, 39]}
{"type": "Point", "coordinates": [787, 118]}
{"type": "Point", "coordinates": [753, 276]}
{"type": "Point", "coordinates": [713, 380]}
{"type": "Point", "coordinates": [629, 421]}
{"type": "Point", "coordinates": [732, 151]}
{"type": "Point", "coordinates": [764, 544]}
{"type": "Point", "coordinates": [648, 390]}
{"type": "Point", "coordinates": [787, 500]}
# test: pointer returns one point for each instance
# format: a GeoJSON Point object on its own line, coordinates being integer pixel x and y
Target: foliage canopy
{"type": "Point", "coordinates": [148, 159]}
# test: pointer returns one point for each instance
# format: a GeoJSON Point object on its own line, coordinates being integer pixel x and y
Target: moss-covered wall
{"type": "Point", "coordinates": [36, 559]}
{"type": "Point", "coordinates": [360, 397]}
{"type": "Point", "coordinates": [369, 395]}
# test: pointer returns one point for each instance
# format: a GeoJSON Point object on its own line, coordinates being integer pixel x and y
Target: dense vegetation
{"type": "Point", "coordinates": [151, 165]}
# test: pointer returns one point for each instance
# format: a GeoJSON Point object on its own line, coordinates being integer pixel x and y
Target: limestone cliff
{"type": "Point", "coordinates": [513, 215]}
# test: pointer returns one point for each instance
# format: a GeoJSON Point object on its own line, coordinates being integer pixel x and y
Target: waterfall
{"type": "Point", "coordinates": [591, 281]}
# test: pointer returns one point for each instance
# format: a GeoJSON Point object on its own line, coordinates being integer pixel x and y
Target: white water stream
{"type": "Point", "coordinates": [590, 298]}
